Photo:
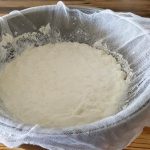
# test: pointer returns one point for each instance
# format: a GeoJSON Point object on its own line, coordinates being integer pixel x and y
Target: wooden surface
{"type": "Point", "coordinates": [140, 7]}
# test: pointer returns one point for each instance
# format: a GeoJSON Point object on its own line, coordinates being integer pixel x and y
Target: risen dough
{"type": "Point", "coordinates": [63, 84]}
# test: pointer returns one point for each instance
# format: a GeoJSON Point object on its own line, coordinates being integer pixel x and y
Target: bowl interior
{"type": "Point", "coordinates": [85, 25]}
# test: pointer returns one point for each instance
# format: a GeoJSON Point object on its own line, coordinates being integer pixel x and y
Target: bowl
{"type": "Point", "coordinates": [123, 33]}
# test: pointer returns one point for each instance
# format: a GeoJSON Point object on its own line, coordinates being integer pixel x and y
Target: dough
{"type": "Point", "coordinates": [63, 84]}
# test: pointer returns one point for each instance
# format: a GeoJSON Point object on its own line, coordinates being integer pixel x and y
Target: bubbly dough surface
{"type": "Point", "coordinates": [61, 85]}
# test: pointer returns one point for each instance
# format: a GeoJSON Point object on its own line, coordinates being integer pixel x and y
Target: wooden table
{"type": "Point", "coordinates": [140, 7]}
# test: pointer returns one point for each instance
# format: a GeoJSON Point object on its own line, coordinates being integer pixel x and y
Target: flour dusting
{"type": "Point", "coordinates": [63, 84]}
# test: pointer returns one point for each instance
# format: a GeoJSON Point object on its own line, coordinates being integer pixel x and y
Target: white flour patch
{"type": "Point", "coordinates": [63, 84]}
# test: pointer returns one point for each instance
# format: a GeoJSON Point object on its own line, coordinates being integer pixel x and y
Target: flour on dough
{"type": "Point", "coordinates": [63, 84]}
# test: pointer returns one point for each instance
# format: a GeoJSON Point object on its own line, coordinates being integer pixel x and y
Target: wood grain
{"type": "Point", "coordinates": [140, 7]}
